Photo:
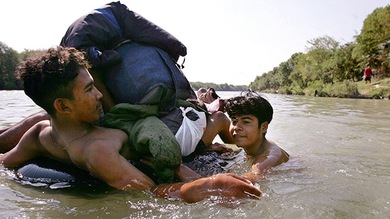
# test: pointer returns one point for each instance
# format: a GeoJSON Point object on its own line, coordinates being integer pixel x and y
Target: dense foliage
{"type": "Point", "coordinates": [8, 61]}
{"type": "Point", "coordinates": [329, 68]}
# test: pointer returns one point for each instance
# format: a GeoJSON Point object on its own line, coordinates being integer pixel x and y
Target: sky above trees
{"type": "Point", "coordinates": [228, 41]}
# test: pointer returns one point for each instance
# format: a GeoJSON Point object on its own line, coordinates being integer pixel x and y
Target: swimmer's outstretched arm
{"type": "Point", "coordinates": [105, 163]}
{"type": "Point", "coordinates": [26, 149]}
{"type": "Point", "coordinates": [272, 156]}
{"type": "Point", "coordinates": [221, 185]}
{"type": "Point", "coordinates": [9, 137]}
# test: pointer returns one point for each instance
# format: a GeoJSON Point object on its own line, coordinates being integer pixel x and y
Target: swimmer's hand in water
{"type": "Point", "coordinates": [227, 186]}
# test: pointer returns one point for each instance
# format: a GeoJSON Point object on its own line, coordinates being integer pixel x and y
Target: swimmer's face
{"type": "Point", "coordinates": [246, 131]}
{"type": "Point", "coordinates": [86, 104]}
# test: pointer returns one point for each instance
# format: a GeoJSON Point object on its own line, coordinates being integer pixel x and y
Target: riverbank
{"type": "Point", "coordinates": [377, 89]}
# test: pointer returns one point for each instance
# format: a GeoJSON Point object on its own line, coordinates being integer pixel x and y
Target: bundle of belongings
{"type": "Point", "coordinates": [138, 61]}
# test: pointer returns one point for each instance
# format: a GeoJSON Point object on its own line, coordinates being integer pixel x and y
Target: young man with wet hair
{"type": "Point", "coordinates": [250, 116]}
{"type": "Point", "coordinates": [60, 83]}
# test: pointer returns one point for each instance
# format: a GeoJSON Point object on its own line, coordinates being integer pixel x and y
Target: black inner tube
{"type": "Point", "coordinates": [46, 172]}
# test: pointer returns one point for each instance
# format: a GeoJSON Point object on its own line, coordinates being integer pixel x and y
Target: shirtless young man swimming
{"type": "Point", "coordinates": [250, 116]}
{"type": "Point", "coordinates": [60, 83]}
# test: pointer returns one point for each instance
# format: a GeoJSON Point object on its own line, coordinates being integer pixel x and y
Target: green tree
{"type": "Point", "coordinates": [373, 43]}
{"type": "Point", "coordinates": [261, 82]}
{"type": "Point", "coordinates": [346, 66]}
{"type": "Point", "coordinates": [296, 76]}
{"type": "Point", "coordinates": [283, 73]}
{"type": "Point", "coordinates": [8, 62]}
{"type": "Point", "coordinates": [318, 65]}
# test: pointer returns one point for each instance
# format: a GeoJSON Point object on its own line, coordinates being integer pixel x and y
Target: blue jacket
{"type": "Point", "coordinates": [105, 28]}
{"type": "Point", "coordinates": [138, 57]}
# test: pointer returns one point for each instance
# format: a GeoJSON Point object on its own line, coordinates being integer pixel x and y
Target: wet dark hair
{"type": "Point", "coordinates": [250, 103]}
{"type": "Point", "coordinates": [51, 75]}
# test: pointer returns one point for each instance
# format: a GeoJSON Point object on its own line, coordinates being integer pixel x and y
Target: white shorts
{"type": "Point", "coordinates": [190, 132]}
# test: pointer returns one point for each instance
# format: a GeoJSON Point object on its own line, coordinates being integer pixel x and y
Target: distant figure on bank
{"type": "Point", "coordinates": [211, 100]}
{"type": "Point", "coordinates": [367, 74]}
{"type": "Point", "coordinates": [250, 116]}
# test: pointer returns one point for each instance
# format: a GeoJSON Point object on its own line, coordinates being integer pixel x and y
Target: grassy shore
{"type": "Point", "coordinates": [377, 89]}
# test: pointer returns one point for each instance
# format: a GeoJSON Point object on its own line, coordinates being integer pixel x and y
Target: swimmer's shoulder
{"type": "Point", "coordinates": [37, 135]}
{"type": "Point", "coordinates": [101, 137]}
{"type": "Point", "coordinates": [112, 133]}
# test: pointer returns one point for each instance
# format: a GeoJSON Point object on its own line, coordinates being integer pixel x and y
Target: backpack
{"type": "Point", "coordinates": [147, 75]}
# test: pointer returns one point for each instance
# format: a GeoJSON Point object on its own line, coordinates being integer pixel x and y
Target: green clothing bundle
{"type": "Point", "coordinates": [148, 135]}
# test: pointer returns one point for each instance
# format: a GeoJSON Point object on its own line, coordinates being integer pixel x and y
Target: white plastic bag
{"type": "Point", "coordinates": [190, 132]}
